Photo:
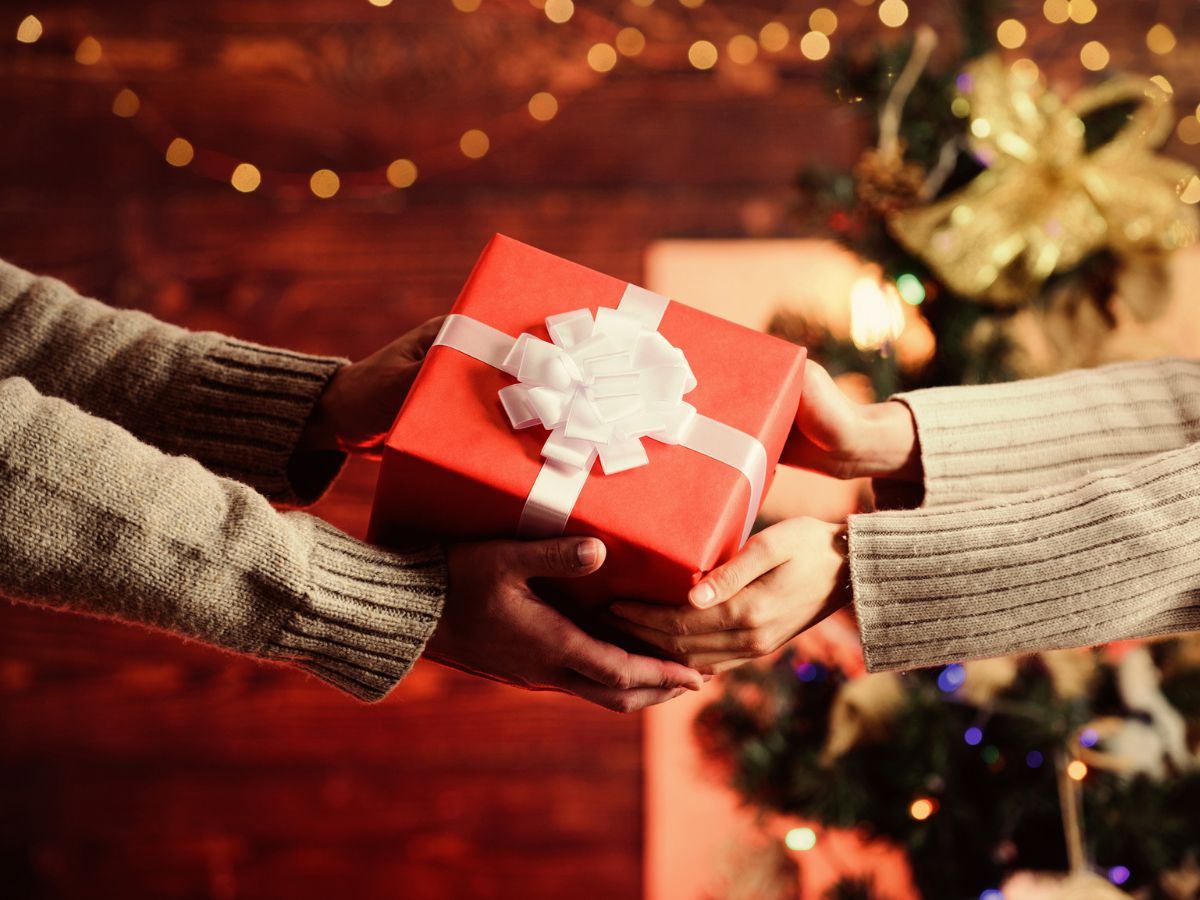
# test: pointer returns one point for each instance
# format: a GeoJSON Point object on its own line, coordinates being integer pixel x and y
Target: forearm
{"type": "Point", "coordinates": [239, 409]}
{"type": "Point", "coordinates": [1110, 556]}
{"type": "Point", "coordinates": [91, 520]}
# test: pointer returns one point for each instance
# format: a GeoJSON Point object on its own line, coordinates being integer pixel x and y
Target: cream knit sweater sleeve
{"type": "Point", "coordinates": [94, 520]}
{"type": "Point", "coordinates": [1081, 520]}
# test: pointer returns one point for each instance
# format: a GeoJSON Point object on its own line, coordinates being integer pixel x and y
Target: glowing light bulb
{"type": "Point", "coordinates": [1056, 11]}
{"type": "Point", "coordinates": [1082, 11]}
{"type": "Point", "coordinates": [800, 839]}
{"type": "Point", "coordinates": [1160, 39]}
{"type": "Point", "coordinates": [876, 314]}
{"type": "Point", "coordinates": [1077, 770]}
{"type": "Point", "coordinates": [921, 809]}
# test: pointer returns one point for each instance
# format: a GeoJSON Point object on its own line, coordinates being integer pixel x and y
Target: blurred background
{"type": "Point", "coordinates": [321, 174]}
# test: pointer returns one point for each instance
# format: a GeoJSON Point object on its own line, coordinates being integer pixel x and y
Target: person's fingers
{"type": "Point", "coordinates": [744, 641]}
{"type": "Point", "coordinates": [616, 699]}
{"type": "Point", "coordinates": [568, 557]}
{"type": "Point", "coordinates": [422, 337]}
{"type": "Point", "coordinates": [609, 665]}
{"type": "Point", "coordinates": [718, 668]}
{"type": "Point", "coordinates": [676, 620]}
{"type": "Point", "coordinates": [762, 553]}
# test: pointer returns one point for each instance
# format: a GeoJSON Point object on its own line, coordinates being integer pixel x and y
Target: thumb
{"type": "Point", "coordinates": [566, 557]}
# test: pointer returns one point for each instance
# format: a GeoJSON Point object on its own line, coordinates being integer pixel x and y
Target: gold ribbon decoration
{"type": "Point", "coordinates": [1044, 203]}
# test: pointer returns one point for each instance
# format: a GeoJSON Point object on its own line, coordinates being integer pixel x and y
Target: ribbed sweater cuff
{"type": "Point", "coordinates": [240, 410]}
{"type": "Point", "coordinates": [366, 615]}
{"type": "Point", "coordinates": [1110, 556]}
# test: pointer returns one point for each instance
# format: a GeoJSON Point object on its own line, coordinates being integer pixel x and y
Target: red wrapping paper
{"type": "Point", "coordinates": [455, 469]}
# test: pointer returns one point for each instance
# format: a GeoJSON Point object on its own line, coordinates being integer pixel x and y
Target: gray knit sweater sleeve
{"type": "Point", "coordinates": [989, 440]}
{"type": "Point", "coordinates": [93, 519]}
{"type": "Point", "coordinates": [1086, 530]}
{"type": "Point", "coordinates": [235, 407]}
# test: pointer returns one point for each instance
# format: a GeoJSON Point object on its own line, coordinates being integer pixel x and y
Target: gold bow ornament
{"type": "Point", "coordinates": [1043, 203]}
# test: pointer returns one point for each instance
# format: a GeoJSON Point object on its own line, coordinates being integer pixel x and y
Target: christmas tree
{"type": "Point", "coordinates": [978, 202]}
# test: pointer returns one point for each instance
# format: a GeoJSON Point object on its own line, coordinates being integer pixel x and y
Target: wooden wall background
{"type": "Point", "coordinates": [132, 764]}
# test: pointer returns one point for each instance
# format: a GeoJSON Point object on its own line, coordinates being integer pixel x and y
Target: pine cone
{"type": "Point", "coordinates": [886, 184]}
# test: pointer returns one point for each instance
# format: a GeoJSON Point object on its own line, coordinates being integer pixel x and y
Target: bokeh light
{"type": "Point", "coordinates": [1094, 56]}
{"type": "Point", "coordinates": [893, 13]}
{"type": "Point", "coordinates": [466, 5]}
{"type": "Point", "coordinates": [630, 41]}
{"type": "Point", "coordinates": [602, 57]}
{"type": "Point", "coordinates": [474, 144]}
{"type": "Point", "coordinates": [973, 736]}
{"type": "Point", "coordinates": [1056, 11]}
{"type": "Point", "coordinates": [402, 173]}
{"type": "Point", "coordinates": [1010, 33]}
{"type": "Point", "coordinates": [543, 106]}
{"type": "Point", "coordinates": [951, 678]}
{"type": "Point", "coordinates": [742, 49]}
{"type": "Point", "coordinates": [1160, 39]}
{"type": "Point", "coordinates": [559, 11]}
{"type": "Point", "coordinates": [29, 30]}
{"type": "Point", "coordinates": [126, 104]}
{"type": "Point", "coordinates": [1118, 875]}
{"type": "Point", "coordinates": [814, 45]}
{"type": "Point", "coordinates": [1077, 770]}
{"type": "Point", "coordinates": [245, 177]}
{"type": "Point", "coordinates": [1034, 759]}
{"type": "Point", "coordinates": [88, 52]}
{"type": "Point", "coordinates": [921, 809]}
{"type": "Point", "coordinates": [180, 152]}
{"type": "Point", "coordinates": [824, 20]}
{"type": "Point", "coordinates": [324, 183]}
{"type": "Point", "coordinates": [913, 293]}
{"type": "Point", "coordinates": [703, 54]}
{"type": "Point", "coordinates": [774, 36]}
{"type": "Point", "coordinates": [1189, 130]}
{"type": "Point", "coordinates": [1082, 11]}
{"type": "Point", "coordinates": [1189, 191]}
{"type": "Point", "coordinates": [800, 839]}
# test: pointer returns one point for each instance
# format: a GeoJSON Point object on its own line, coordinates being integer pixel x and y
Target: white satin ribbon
{"type": "Point", "coordinates": [601, 385]}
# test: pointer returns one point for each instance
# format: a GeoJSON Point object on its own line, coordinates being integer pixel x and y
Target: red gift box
{"type": "Point", "coordinates": [454, 467]}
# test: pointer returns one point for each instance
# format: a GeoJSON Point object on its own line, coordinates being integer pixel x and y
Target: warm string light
{"type": "Point", "coordinates": [800, 839]}
{"type": "Point", "coordinates": [29, 30]}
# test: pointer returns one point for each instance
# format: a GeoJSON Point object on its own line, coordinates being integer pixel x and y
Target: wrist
{"type": "Point", "coordinates": [320, 431]}
{"type": "Point", "coordinates": [888, 446]}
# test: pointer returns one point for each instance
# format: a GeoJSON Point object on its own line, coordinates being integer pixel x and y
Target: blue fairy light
{"type": "Point", "coordinates": [951, 678]}
{"type": "Point", "coordinates": [991, 894]}
{"type": "Point", "coordinates": [1034, 759]}
{"type": "Point", "coordinates": [1088, 737]}
{"type": "Point", "coordinates": [973, 736]}
{"type": "Point", "coordinates": [1118, 875]}
{"type": "Point", "coordinates": [806, 672]}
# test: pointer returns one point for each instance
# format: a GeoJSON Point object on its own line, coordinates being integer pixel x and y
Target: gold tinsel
{"type": "Point", "coordinates": [1044, 203]}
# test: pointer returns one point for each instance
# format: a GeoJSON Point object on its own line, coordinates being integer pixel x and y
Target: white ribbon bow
{"type": "Point", "coordinates": [600, 387]}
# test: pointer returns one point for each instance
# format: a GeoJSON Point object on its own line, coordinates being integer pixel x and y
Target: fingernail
{"type": "Point", "coordinates": [694, 686]}
{"type": "Point", "coordinates": [587, 553]}
{"type": "Point", "coordinates": [702, 595]}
